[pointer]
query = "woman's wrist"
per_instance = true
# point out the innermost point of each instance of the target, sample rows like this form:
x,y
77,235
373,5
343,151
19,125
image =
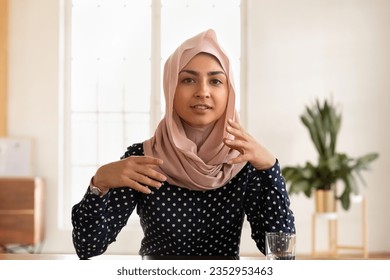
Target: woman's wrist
x,y
97,190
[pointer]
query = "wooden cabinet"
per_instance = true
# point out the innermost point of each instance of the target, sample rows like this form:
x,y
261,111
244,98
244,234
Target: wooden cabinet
x,y
21,211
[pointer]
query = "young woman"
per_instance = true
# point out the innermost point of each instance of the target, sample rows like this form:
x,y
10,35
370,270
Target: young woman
x,y
196,179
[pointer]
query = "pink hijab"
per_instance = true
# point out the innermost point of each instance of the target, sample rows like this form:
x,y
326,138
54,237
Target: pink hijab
x,y
195,166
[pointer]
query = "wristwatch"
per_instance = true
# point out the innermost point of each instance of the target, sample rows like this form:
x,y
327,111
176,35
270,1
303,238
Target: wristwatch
x,y
95,190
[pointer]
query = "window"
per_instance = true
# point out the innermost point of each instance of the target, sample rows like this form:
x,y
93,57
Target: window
x,y
115,53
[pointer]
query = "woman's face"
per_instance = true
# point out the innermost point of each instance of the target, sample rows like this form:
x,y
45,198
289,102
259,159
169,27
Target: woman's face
x,y
202,91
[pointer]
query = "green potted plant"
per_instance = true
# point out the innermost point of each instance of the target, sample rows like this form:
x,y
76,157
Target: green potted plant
x,y
323,121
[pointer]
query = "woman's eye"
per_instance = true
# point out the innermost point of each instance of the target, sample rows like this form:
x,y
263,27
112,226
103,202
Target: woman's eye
x,y
216,82
187,80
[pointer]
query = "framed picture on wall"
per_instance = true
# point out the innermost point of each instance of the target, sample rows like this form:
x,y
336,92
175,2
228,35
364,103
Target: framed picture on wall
x,y
15,157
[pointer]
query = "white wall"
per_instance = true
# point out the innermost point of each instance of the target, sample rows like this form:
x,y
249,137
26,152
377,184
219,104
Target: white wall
x,y
34,96
303,49
297,50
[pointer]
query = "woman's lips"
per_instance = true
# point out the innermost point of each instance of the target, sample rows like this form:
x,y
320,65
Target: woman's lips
x,y
201,107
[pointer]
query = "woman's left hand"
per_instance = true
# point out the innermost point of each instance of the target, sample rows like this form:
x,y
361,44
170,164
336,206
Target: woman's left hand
x,y
250,150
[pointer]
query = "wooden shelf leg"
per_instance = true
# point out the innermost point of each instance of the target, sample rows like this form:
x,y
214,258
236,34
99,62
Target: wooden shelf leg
x,y
333,237
313,236
364,228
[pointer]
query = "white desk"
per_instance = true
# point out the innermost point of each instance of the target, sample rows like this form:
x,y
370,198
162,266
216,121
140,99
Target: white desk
x,y
75,257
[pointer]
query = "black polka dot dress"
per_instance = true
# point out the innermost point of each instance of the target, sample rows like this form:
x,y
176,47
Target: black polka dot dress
x,y
181,222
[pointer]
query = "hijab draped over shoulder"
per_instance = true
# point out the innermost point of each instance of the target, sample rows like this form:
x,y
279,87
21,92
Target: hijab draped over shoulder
x,y
194,158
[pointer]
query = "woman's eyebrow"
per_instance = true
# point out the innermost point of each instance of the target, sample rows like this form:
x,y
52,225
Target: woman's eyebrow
x,y
195,73
212,73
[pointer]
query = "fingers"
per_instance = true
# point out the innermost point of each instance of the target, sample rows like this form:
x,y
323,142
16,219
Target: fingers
x,y
250,150
145,160
139,182
240,142
235,129
233,123
144,169
239,159
140,173
137,172
146,180
238,145
138,187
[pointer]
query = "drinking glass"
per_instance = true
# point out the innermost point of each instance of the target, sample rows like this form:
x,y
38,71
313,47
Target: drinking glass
x,y
280,246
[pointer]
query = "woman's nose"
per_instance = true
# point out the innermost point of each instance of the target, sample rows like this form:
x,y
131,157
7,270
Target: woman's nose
x,y
203,91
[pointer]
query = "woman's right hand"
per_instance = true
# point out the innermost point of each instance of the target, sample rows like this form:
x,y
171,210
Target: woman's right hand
x,y
136,172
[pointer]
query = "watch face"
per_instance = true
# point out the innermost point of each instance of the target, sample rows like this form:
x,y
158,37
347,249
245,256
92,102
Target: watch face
x,y
95,190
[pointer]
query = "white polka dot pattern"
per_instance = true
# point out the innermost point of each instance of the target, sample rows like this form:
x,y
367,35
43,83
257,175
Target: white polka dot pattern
x,y
178,221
